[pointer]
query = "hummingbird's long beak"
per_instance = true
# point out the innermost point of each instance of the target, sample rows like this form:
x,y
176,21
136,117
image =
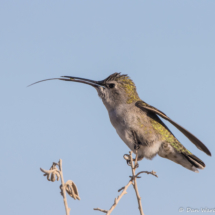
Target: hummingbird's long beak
x,y
75,79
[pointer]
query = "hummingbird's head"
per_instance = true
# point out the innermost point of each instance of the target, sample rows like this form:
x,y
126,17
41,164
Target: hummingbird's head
x,y
116,89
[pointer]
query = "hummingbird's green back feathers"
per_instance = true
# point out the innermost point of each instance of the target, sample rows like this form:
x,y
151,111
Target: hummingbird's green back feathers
x,y
178,152
166,135
191,137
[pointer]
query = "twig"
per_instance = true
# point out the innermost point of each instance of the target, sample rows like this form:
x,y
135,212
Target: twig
x,y
152,173
63,188
134,164
121,189
135,182
119,197
116,199
98,209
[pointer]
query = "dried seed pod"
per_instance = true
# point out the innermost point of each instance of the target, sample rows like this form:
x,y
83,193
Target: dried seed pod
x,y
72,189
51,174
54,175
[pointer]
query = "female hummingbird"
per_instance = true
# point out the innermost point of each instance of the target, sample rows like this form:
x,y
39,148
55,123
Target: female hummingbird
x,y
138,124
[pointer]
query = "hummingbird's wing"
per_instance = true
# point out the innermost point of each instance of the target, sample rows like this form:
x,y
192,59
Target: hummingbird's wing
x,y
144,106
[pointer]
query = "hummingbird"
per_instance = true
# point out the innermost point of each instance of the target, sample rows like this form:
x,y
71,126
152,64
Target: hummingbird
x,y
139,124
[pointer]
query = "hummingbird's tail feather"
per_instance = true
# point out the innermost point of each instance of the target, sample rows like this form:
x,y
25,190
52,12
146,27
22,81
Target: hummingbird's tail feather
x,y
188,161
195,161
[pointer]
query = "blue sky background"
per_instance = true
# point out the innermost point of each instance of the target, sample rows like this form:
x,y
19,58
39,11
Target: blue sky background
x,y
166,47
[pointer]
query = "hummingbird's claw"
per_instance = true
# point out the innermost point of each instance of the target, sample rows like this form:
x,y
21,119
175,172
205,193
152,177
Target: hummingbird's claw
x,y
136,166
128,162
136,147
127,158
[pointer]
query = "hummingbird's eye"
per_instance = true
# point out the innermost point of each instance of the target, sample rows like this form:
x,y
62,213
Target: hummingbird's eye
x,y
111,85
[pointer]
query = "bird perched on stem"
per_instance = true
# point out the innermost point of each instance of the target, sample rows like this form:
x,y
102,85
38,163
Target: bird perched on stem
x,y
138,124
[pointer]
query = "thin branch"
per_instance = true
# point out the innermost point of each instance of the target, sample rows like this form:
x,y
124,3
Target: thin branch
x,y
134,164
119,197
121,189
152,173
98,209
63,187
116,199
135,182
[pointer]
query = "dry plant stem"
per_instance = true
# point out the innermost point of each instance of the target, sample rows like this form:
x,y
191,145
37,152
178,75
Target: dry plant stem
x,y
63,188
116,199
152,173
134,165
119,197
99,209
135,182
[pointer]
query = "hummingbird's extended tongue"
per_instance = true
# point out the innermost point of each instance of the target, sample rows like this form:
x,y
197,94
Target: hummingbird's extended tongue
x,y
74,79
49,80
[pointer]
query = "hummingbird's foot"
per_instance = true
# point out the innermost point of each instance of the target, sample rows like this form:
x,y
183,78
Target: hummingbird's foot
x,y
128,162
136,166
128,159
136,146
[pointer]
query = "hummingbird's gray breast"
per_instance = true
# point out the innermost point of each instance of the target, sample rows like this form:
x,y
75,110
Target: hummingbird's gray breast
x,y
134,127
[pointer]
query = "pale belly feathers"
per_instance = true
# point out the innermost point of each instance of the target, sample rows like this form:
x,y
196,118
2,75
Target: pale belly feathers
x,y
126,120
